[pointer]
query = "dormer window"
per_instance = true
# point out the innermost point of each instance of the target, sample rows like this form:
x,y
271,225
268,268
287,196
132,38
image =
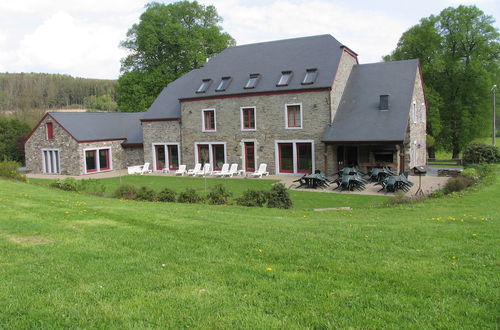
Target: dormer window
x,y
310,76
205,83
285,78
384,102
224,82
252,81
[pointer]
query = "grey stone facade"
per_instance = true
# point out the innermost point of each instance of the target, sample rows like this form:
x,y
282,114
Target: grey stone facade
x,y
415,143
347,61
270,125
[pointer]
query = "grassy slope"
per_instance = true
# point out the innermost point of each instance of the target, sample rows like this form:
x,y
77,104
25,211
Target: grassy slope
x,y
302,199
69,260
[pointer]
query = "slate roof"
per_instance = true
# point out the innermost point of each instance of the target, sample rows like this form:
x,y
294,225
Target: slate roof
x,y
359,119
268,59
91,126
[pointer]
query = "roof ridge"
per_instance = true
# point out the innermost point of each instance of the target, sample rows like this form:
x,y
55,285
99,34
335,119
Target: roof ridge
x,y
284,40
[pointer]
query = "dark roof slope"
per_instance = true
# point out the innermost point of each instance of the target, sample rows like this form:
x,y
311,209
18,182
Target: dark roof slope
x,y
359,119
268,59
90,126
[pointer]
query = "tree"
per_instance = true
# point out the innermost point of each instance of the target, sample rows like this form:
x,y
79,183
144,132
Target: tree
x,y
12,134
459,53
169,41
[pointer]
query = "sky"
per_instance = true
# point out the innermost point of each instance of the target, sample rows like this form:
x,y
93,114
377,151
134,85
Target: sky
x,y
81,37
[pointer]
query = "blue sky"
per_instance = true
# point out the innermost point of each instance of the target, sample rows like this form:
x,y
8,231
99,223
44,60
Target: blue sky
x,y
81,38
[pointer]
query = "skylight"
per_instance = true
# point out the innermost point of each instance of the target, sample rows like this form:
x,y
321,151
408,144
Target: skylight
x,y
310,76
224,82
204,86
285,78
252,81
384,102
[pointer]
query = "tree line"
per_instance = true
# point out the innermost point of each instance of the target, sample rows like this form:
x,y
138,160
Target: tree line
x,y
22,91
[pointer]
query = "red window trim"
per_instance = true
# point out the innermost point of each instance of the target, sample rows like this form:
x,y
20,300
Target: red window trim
x,y
279,155
95,160
248,146
296,124
50,130
107,161
169,159
246,114
210,119
214,160
297,145
157,146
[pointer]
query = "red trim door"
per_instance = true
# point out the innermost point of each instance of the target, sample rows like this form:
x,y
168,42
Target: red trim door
x,y
91,161
173,157
304,157
160,157
249,157
104,160
285,151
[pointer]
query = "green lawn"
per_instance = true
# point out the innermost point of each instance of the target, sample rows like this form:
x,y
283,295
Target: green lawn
x,y
301,199
73,260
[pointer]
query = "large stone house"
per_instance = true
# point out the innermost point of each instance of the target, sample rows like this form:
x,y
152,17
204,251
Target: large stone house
x,y
297,105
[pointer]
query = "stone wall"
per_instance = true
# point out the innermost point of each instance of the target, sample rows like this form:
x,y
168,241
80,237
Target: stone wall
x,y
134,156
347,61
62,141
160,132
270,125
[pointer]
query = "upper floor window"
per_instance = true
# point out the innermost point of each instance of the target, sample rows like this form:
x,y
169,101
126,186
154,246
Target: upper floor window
x,y
50,131
208,120
224,82
293,116
252,81
310,76
285,78
205,83
248,119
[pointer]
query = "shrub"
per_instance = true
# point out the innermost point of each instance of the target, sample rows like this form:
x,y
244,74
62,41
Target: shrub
x,y
486,173
470,173
479,153
125,191
189,196
68,184
457,184
167,195
252,198
146,194
278,197
218,195
9,169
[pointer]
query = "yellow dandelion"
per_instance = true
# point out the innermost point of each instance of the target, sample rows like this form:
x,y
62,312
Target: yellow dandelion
x,y
366,236
260,250
474,235
269,269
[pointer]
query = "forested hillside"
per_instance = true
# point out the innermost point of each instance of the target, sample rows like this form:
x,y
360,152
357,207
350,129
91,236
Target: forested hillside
x,y
29,91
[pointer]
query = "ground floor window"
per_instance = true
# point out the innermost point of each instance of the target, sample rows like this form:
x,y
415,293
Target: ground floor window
x,y
295,156
97,160
51,161
249,157
213,153
166,155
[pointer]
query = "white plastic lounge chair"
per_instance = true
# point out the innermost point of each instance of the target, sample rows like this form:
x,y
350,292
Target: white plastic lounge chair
x,y
181,170
204,171
139,169
261,171
233,170
223,171
195,170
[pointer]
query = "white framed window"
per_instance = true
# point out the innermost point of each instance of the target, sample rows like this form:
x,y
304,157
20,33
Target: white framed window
x,y
294,157
97,159
166,155
208,118
293,116
51,161
248,119
213,153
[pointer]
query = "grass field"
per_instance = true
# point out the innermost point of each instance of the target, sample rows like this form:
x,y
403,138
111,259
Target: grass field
x,y
73,260
301,199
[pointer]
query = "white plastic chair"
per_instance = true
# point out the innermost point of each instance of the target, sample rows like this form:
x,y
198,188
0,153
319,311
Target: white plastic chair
x,y
224,170
204,171
233,170
195,170
139,169
181,170
262,170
